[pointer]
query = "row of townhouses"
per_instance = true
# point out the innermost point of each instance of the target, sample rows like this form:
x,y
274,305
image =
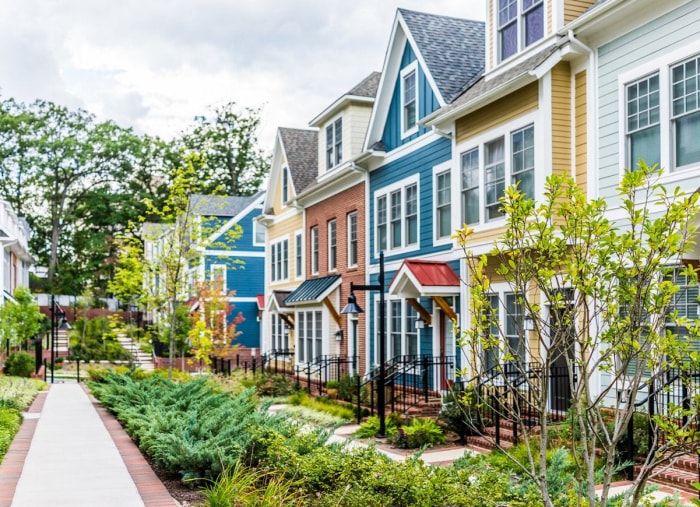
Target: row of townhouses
x,y
16,259
380,179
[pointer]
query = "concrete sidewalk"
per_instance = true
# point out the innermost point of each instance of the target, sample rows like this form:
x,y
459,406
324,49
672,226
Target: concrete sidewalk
x,y
75,460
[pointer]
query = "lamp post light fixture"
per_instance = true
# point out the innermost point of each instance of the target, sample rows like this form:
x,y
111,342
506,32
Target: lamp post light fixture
x,y
528,322
353,308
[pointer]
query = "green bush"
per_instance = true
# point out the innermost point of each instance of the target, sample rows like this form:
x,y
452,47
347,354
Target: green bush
x,y
370,428
347,388
20,364
419,434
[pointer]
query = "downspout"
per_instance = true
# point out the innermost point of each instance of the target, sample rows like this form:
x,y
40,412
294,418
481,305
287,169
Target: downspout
x,y
592,107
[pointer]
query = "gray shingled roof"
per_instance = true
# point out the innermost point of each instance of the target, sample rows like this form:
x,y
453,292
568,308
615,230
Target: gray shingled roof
x,y
453,49
367,87
301,148
221,206
483,86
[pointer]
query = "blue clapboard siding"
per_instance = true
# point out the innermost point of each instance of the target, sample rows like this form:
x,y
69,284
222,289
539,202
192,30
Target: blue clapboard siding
x,y
427,103
652,41
420,161
245,274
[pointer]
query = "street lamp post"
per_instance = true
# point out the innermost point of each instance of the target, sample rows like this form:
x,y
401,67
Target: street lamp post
x,y
353,308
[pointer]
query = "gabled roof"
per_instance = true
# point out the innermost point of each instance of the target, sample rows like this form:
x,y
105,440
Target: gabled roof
x,y
422,278
221,206
276,302
364,91
301,150
453,49
313,290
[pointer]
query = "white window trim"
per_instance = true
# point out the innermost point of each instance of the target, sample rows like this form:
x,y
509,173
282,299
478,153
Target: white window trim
x,y
278,243
257,226
411,67
299,275
331,124
500,290
334,221
214,270
504,130
438,170
313,231
386,191
662,65
325,342
357,239
520,31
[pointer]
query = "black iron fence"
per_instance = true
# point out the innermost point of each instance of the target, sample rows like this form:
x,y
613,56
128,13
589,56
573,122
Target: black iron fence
x,y
510,396
316,374
675,395
275,362
408,382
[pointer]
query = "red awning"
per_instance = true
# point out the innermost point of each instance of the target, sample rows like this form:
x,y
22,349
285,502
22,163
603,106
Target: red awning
x,y
421,278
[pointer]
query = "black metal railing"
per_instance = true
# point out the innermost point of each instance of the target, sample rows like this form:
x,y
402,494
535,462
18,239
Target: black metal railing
x,y
408,381
509,396
323,368
672,394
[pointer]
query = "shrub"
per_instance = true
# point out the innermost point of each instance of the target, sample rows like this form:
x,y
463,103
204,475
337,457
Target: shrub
x,y
332,384
460,414
419,434
20,364
370,428
347,388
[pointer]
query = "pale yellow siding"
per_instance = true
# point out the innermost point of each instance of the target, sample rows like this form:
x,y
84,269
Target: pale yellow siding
x,y
281,230
574,8
549,17
561,119
504,110
492,16
277,205
358,121
581,122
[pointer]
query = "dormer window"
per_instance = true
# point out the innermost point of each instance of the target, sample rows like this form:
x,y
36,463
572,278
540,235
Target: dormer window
x,y
409,99
334,143
520,23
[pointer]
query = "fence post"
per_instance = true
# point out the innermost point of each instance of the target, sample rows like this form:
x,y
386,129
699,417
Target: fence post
x,y
425,379
359,399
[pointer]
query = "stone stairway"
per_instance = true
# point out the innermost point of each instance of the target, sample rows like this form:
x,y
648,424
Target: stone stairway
x,y
141,358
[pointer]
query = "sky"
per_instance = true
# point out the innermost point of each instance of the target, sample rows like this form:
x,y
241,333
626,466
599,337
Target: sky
x,y
154,65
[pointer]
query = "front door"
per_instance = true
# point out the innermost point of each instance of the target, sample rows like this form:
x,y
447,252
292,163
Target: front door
x,y
562,329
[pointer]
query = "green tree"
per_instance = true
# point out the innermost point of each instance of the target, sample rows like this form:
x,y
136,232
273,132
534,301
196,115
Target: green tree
x,y
601,294
230,159
20,319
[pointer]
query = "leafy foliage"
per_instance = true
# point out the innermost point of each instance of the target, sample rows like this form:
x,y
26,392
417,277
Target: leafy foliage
x,y
20,364
420,433
15,395
96,340
20,319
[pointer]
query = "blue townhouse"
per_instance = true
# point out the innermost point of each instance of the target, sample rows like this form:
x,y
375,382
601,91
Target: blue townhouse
x,y
234,255
430,61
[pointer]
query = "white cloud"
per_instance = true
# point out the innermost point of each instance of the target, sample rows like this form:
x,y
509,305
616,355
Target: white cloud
x,y
155,64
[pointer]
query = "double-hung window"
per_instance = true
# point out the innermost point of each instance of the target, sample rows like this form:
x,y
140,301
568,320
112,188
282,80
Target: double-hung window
x,y
495,177
314,249
523,157
280,334
334,143
506,341
685,111
443,208
403,337
396,216
661,112
352,239
470,186
332,247
310,335
409,99
643,121
520,23
279,260
299,254
491,167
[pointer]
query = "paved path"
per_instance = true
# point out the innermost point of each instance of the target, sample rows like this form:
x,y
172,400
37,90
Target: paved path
x,y
79,456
